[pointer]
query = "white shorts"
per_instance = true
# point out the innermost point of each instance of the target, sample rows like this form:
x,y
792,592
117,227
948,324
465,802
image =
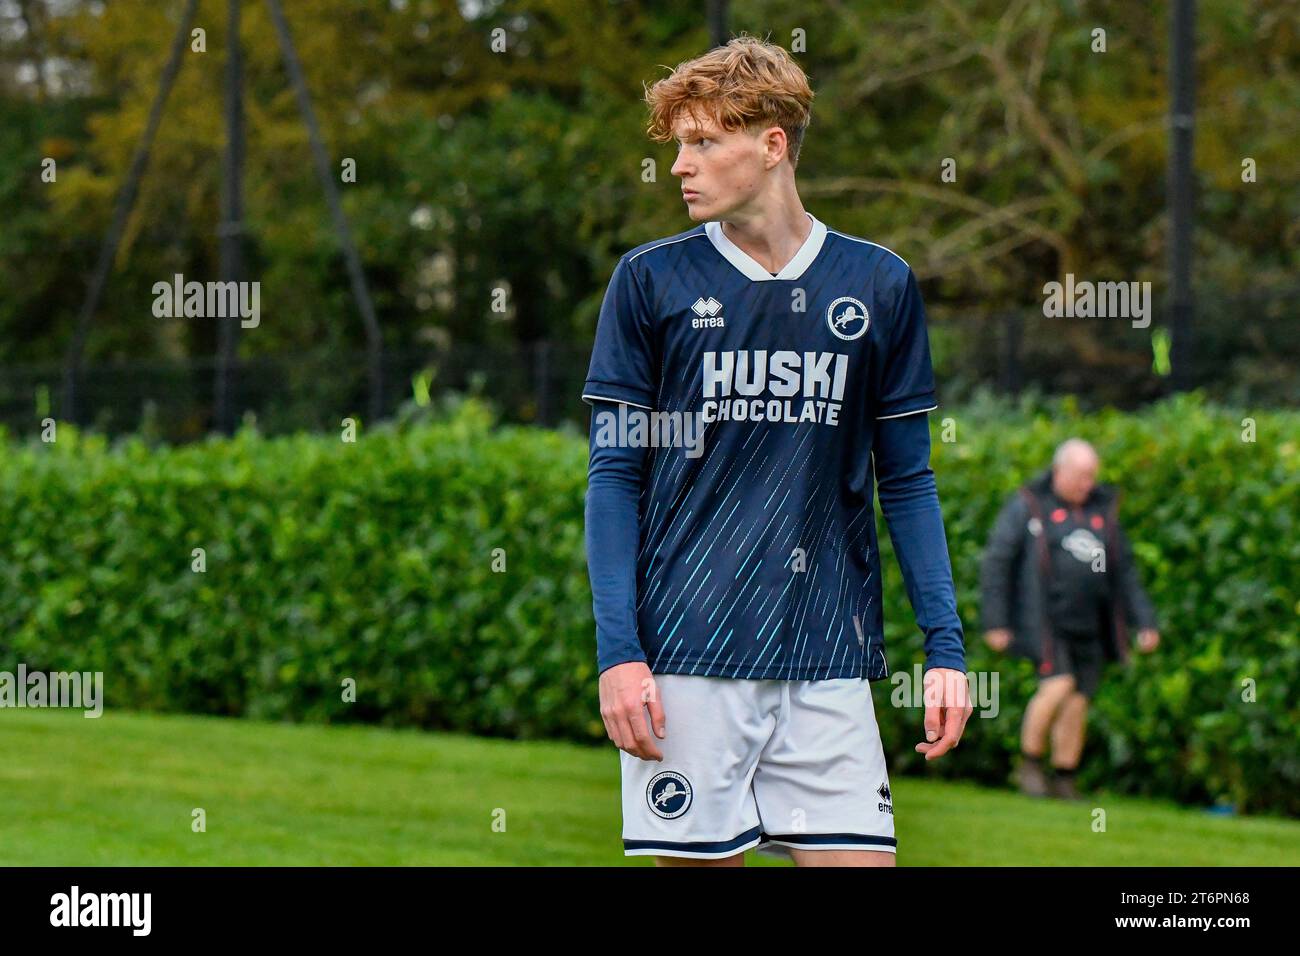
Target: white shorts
x,y
759,763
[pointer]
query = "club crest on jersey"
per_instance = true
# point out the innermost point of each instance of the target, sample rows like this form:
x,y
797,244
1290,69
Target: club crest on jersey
x,y
707,311
847,318
669,794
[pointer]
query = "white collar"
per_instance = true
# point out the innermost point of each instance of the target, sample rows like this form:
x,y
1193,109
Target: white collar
x,y
749,266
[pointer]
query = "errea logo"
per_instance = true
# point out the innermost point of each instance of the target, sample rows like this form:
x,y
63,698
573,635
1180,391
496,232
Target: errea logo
x,y
707,310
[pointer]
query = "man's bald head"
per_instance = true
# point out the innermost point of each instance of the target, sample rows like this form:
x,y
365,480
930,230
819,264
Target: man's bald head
x,y
1074,470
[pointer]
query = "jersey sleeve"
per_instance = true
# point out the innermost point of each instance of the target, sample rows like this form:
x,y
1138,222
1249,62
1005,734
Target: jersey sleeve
x,y
623,362
907,382
612,534
909,500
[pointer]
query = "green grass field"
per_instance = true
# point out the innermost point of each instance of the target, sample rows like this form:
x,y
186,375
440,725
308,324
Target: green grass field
x,y
120,790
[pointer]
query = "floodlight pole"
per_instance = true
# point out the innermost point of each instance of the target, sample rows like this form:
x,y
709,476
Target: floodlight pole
x,y
1182,90
718,22
230,229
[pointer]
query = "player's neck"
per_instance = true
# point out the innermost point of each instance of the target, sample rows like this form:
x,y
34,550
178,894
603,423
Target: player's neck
x,y
771,236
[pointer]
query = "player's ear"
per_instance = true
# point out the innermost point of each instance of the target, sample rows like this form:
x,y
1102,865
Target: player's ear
x,y
776,144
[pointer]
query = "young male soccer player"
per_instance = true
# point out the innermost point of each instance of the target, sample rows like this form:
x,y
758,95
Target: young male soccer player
x,y
736,584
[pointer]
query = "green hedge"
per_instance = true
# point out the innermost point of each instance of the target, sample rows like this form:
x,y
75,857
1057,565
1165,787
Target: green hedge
x,y
374,561
1215,525
324,560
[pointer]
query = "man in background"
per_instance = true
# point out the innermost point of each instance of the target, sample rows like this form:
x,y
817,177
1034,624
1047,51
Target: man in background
x,y
1060,587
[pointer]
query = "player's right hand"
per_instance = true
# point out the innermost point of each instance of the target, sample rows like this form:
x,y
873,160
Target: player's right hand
x,y
998,638
626,690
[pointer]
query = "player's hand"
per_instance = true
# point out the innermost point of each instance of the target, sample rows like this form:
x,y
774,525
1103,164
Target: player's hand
x,y
947,706
1148,639
998,638
626,690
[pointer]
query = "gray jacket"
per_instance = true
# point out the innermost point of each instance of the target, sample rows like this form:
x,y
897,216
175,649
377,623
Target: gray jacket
x,y
1016,570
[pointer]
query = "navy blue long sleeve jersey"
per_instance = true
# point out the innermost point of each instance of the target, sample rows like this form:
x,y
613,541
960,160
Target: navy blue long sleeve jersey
x,y
741,423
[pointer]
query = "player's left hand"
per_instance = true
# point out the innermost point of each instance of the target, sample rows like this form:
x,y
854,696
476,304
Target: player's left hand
x,y
1148,639
947,706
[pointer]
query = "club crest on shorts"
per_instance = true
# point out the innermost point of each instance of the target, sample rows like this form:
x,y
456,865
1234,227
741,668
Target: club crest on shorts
x,y
847,318
669,794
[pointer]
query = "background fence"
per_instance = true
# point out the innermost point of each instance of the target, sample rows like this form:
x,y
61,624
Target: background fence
x,y
1247,352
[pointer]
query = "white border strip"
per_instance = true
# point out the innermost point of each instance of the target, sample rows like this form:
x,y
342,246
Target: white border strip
x,y
845,235
916,411
884,848
694,234
622,401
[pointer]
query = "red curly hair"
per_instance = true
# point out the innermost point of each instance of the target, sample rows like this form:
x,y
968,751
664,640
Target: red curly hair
x,y
748,84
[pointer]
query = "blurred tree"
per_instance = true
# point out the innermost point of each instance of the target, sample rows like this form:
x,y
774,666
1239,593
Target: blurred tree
x,y
500,152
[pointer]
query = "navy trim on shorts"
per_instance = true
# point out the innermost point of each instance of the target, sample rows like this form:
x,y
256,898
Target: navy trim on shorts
x,y
720,846
813,839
